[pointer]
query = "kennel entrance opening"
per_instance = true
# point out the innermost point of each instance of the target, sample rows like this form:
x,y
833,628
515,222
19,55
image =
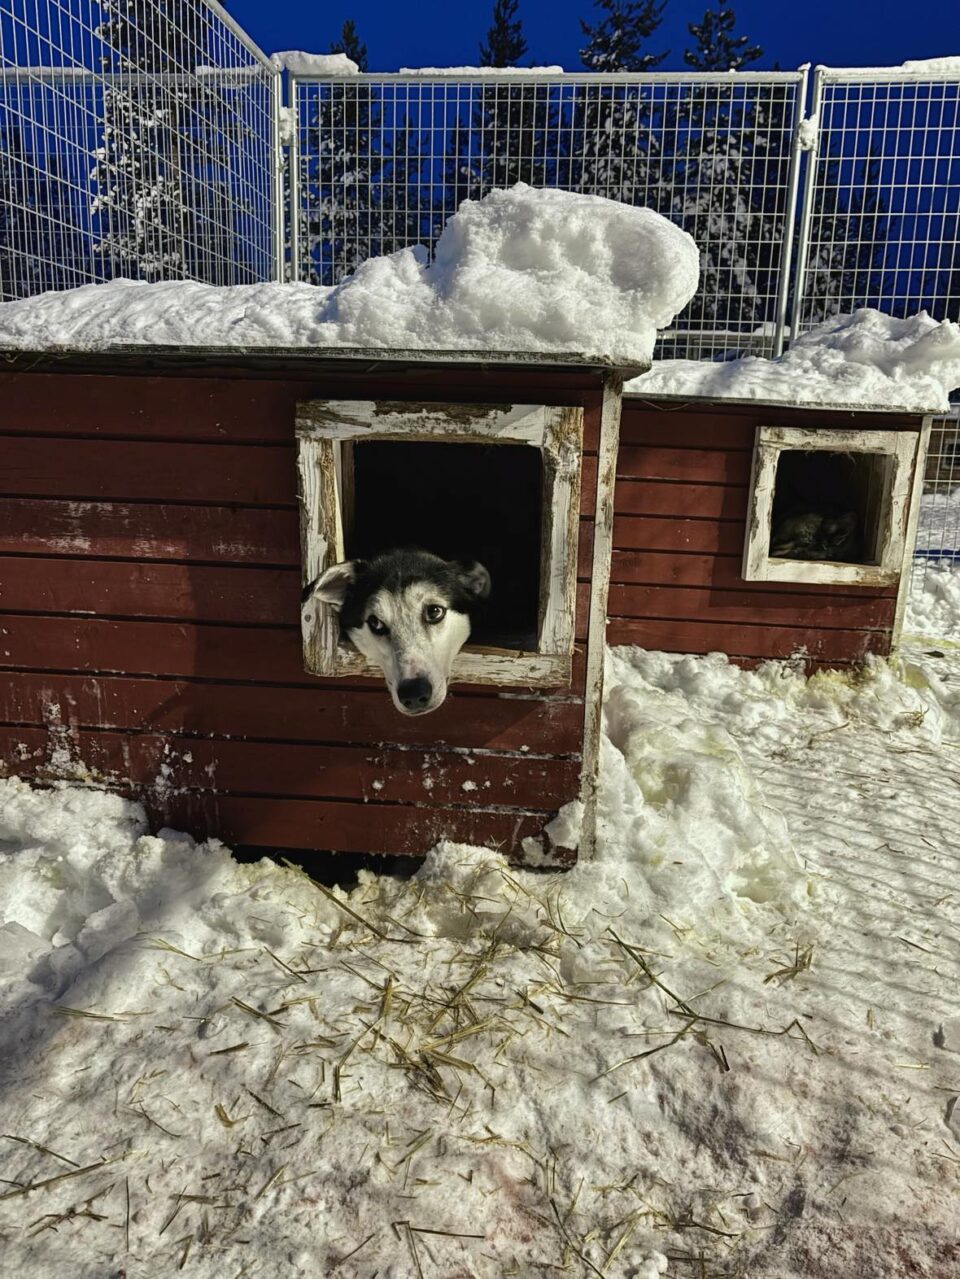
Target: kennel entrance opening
x,y
461,501
829,506
499,484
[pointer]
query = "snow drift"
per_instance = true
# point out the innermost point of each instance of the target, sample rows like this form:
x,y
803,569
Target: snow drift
x,y
521,270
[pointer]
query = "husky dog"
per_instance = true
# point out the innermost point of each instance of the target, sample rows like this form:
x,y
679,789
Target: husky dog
x,y
408,612
817,535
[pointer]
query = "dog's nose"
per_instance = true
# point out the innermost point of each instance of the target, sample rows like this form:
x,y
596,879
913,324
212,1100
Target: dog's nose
x,y
414,694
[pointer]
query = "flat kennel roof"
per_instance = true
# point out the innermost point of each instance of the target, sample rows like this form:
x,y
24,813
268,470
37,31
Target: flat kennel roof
x,y
795,409
297,359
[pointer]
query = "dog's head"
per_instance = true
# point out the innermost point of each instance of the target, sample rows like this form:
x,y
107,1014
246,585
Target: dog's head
x,y
408,612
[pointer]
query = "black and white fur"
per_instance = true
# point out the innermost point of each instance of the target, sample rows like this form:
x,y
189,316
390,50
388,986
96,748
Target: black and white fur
x,y
408,612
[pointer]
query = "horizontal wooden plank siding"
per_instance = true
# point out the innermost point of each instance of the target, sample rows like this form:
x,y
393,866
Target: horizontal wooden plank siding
x,y
691,466
105,530
826,647
253,409
681,507
663,533
307,771
720,571
409,830
149,620
166,473
128,470
126,588
676,499
106,646
778,608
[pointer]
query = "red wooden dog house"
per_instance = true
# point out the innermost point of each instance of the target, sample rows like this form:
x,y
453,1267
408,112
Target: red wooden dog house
x,y
687,488
151,636
152,573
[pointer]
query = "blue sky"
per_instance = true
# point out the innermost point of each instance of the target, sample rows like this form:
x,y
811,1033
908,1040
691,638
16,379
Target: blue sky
x,y
438,33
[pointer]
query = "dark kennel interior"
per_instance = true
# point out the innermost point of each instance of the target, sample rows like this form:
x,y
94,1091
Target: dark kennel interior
x,y
461,501
827,505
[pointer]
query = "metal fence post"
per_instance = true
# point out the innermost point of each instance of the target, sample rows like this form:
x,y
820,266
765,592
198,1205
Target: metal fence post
x,y
806,206
293,176
790,216
278,213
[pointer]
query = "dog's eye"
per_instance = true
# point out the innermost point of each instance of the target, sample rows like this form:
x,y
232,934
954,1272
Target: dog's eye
x,y
434,613
378,627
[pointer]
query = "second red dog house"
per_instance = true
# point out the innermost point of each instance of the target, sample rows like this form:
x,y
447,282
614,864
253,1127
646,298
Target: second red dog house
x,y
699,488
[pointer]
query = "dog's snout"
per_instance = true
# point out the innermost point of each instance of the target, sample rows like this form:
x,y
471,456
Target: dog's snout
x,y
415,694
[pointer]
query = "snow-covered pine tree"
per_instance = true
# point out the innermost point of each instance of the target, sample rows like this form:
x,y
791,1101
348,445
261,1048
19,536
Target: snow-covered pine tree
x,y
616,42
406,184
511,120
505,41
351,44
341,224
849,228
19,261
614,149
725,183
145,201
717,49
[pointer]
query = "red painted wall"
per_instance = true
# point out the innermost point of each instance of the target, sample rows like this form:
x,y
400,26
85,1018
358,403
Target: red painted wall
x,y
149,621
682,500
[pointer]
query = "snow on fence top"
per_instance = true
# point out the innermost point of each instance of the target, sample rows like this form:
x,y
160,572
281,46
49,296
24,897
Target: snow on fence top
x,y
465,72
522,270
867,360
320,64
934,66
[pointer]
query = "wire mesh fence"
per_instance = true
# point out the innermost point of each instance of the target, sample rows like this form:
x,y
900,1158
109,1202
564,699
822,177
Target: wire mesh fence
x,y
880,227
137,138
142,138
382,161
934,597
880,221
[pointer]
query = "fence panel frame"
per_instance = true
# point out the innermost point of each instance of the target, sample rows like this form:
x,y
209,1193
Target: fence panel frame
x,y
187,191
784,90
834,90
828,83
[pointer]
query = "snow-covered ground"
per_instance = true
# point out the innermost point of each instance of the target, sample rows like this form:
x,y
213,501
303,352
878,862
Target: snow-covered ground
x,y
729,1046
933,603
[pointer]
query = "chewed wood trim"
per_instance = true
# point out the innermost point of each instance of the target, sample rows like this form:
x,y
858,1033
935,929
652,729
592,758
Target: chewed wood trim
x,y
319,541
476,665
327,428
596,643
387,419
913,520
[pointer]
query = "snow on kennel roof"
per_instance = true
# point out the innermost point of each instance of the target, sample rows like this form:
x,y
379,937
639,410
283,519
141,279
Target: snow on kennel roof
x,y
866,360
521,271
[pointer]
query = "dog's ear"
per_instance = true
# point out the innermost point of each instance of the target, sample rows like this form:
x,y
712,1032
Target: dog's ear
x,y
331,586
473,578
